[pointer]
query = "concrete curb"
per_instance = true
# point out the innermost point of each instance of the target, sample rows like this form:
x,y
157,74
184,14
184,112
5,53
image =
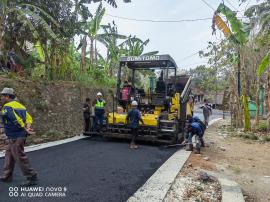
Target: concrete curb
x,y
157,186
231,191
214,121
48,144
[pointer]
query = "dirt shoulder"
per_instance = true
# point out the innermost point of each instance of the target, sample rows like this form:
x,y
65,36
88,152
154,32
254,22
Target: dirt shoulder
x,y
245,161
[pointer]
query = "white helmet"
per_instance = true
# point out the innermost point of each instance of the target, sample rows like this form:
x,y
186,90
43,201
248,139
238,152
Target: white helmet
x,y
99,94
134,103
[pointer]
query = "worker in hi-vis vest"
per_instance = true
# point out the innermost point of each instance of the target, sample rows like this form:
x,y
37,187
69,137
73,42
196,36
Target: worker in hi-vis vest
x,y
99,105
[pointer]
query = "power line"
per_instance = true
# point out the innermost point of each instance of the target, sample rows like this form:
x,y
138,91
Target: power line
x,y
194,64
237,10
159,21
247,5
232,5
189,56
205,2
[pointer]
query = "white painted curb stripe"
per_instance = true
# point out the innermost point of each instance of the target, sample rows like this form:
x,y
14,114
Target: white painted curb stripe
x,y
214,120
48,144
157,186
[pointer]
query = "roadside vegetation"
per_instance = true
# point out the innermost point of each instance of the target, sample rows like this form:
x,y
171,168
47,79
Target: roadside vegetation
x,y
238,65
60,40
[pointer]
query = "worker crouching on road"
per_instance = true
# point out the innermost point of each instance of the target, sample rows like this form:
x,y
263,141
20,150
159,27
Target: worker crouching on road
x,y
17,125
133,118
194,127
99,105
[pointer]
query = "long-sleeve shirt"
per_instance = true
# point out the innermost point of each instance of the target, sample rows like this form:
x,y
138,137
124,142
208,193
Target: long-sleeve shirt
x,y
15,116
196,129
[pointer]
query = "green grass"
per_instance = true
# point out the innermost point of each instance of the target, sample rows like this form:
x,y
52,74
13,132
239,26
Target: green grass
x,y
262,126
236,169
266,138
199,188
249,136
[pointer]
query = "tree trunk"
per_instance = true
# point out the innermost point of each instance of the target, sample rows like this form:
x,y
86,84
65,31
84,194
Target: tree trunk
x,y
257,120
247,124
268,99
2,45
83,55
110,72
236,110
91,51
95,50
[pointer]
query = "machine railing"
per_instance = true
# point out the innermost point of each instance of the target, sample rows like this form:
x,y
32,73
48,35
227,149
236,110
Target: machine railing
x,y
185,94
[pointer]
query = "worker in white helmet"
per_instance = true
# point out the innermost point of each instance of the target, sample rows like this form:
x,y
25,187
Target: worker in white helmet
x,y
99,105
133,118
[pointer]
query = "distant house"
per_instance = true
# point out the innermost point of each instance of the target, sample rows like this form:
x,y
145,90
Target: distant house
x,y
198,94
216,99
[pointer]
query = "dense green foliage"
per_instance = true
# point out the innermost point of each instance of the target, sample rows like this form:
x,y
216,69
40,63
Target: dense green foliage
x,y
44,34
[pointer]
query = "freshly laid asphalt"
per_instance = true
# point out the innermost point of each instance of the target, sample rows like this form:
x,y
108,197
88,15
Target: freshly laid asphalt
x,y
91,170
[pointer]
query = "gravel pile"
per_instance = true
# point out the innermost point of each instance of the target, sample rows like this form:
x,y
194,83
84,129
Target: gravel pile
x,y
193,184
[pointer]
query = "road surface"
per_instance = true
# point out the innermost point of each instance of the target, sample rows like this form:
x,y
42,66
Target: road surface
x,y
90,170
215,114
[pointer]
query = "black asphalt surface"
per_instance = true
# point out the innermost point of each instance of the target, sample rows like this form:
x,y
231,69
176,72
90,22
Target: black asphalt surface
x,y
90,170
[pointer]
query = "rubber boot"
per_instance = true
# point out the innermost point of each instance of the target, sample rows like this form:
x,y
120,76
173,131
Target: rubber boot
x,y
189,147
6,179
198,148
30,181
202,142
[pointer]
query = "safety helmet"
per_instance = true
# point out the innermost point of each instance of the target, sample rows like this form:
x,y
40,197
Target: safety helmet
x,y
134,103
196,119
7,91
99,94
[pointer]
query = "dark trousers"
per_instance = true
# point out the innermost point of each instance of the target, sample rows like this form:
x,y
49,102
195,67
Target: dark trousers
x,y
134,133
15,153
206,119
99,119
86,124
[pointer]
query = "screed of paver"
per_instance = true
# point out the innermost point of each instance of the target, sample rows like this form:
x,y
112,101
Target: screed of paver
x,y
160,182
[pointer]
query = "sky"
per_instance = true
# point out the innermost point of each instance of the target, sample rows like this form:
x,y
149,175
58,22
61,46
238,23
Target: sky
x,y
180,40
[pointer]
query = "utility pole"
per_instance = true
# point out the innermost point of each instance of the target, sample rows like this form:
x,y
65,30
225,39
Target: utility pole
x,y
215,68
215,49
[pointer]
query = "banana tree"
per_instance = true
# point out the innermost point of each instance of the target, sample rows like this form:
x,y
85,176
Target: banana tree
x,y
29,15
109,38
239,37
92,31
135,46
